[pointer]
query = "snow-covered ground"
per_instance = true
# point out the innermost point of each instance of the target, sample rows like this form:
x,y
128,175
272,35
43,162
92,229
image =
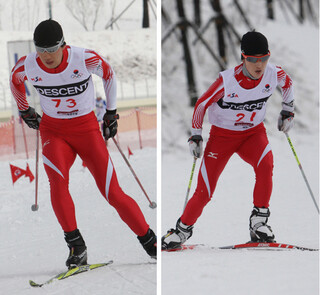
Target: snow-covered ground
x,y
33,246
32,243
225,220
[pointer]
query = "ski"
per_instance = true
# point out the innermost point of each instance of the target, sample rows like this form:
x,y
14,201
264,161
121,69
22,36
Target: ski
x,y
249,245
71,272
266,246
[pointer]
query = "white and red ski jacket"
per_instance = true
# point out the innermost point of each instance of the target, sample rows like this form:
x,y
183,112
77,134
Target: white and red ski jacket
x,y
68,89
236,102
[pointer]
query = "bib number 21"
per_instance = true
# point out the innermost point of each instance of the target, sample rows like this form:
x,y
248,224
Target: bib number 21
x,y
241,116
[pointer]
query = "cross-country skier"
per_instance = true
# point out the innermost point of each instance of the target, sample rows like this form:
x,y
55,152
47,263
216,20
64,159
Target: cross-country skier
x,y
101,107
61,74
236,104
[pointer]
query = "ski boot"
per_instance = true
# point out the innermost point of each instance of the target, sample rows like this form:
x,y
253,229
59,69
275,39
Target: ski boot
x,y
77,247
259,230
149,243
176,237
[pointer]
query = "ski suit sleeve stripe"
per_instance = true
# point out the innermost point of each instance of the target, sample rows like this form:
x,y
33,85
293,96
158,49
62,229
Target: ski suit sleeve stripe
x,y
99,66
213,94
17,78
285,84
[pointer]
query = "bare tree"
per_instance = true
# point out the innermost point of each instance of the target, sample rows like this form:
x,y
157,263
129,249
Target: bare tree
x,y
113,19
113,6
305,10
242,13
20,17
192,89
85,12
219,22
145,18
312,12
301,10
197,13
270,13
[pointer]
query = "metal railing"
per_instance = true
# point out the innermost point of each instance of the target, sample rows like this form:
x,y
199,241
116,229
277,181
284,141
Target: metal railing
x,y
134,89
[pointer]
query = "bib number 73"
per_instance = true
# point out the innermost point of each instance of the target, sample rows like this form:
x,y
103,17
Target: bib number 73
x,y
71,103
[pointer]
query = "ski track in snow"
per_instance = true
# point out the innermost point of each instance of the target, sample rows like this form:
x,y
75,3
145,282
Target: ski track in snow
x,y
225,221
34,246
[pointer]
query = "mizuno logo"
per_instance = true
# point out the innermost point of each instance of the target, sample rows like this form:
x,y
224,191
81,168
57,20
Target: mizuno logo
x,y
213,155
47,142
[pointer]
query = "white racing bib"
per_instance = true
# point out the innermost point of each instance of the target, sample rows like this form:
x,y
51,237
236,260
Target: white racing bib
x,y
242,108
67,94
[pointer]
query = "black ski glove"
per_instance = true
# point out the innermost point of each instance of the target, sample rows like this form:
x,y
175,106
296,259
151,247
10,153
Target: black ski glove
x,y
31,118
285,121
110,124
195,145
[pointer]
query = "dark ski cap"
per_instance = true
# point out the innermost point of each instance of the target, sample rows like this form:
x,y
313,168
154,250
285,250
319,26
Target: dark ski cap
x,y
253,43
47,34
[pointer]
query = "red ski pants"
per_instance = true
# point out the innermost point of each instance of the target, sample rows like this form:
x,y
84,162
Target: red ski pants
x,y
62,140
252,146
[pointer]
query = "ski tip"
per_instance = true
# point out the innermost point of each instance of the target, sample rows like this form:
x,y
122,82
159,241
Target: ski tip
x,y
109,262
33,284
105,263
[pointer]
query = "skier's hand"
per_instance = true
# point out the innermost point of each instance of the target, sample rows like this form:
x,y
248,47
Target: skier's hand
x,y
110,124
285,121
31,118
195,145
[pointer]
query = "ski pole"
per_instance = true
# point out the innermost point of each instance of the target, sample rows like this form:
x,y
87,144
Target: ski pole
x,y
35,206
300,167
152,204
190,181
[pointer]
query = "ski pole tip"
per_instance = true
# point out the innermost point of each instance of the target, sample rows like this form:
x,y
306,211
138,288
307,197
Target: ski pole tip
x,y
153,205
34,207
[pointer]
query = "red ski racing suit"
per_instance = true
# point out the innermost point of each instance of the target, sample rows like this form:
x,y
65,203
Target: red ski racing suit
x,y
236,108
69,127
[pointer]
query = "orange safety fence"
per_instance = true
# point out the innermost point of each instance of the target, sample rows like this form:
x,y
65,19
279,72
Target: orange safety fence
x,y
7,137
136,129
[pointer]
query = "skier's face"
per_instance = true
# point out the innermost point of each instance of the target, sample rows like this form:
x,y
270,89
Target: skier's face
x,y
52,60
256,69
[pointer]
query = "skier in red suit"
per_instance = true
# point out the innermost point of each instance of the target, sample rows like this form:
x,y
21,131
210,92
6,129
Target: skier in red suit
x,y
236,105
61,74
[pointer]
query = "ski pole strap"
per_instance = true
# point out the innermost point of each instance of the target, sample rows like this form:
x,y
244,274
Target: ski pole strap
x,y
110,117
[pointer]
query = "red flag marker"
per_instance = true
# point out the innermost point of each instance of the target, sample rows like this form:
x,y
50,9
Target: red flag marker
x,y
16,173
129,152
29,173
